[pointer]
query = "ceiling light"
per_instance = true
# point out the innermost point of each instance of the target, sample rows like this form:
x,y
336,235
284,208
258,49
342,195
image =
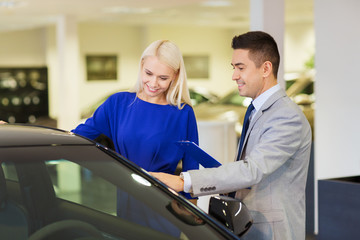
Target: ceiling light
x,y
127,10
216,3
8,4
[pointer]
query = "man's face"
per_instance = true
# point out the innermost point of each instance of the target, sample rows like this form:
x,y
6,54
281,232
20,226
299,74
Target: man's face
x,y
250,80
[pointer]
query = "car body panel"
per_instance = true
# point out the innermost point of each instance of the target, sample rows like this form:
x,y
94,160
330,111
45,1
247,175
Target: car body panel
x,y
28,136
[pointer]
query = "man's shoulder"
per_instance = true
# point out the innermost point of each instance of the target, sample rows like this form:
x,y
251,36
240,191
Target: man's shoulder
x,y
286,108
284,105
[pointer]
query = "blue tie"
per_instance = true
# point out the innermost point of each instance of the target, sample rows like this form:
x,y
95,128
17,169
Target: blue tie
x,y
245,127
243,133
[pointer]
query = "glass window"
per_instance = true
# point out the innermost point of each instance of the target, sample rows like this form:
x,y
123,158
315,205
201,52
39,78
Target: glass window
x,y
9,171
78,184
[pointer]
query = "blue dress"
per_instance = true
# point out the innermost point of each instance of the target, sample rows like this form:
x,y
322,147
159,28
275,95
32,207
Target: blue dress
x,y
143,132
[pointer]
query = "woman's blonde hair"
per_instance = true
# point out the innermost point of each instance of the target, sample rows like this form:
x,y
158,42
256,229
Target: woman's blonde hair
x,y
169,54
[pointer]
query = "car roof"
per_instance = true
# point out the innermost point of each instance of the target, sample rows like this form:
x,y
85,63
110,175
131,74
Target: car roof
x,y
12,135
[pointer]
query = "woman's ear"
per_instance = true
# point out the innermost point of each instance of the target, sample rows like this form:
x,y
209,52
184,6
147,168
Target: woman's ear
x,y
267,68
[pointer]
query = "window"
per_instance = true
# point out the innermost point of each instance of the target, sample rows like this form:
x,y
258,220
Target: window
x,y
9,171
77,184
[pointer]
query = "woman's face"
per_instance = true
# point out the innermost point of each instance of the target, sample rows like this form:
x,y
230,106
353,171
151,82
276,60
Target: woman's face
x,y
156,78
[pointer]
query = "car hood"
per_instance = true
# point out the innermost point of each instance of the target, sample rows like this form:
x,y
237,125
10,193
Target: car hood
x,y
27,135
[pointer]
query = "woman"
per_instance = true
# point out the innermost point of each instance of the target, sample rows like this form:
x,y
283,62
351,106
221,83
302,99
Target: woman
x,y
144,124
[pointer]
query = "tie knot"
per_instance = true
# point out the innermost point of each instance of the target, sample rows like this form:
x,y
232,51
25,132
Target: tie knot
x,y
250,107
249,110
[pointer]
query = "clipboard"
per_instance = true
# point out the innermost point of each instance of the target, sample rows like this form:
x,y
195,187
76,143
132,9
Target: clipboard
x,y
198,154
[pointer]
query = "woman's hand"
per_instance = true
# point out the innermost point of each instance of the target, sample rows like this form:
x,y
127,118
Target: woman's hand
x,y
2,122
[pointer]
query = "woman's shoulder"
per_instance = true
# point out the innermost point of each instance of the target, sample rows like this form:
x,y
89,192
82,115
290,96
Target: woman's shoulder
x,y
187,107
122,96
185,110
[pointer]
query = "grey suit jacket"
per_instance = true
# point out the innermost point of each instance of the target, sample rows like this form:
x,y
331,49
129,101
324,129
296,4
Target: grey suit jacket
x,y
274,163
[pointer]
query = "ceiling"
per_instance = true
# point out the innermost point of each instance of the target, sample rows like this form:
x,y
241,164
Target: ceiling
x,y
24,14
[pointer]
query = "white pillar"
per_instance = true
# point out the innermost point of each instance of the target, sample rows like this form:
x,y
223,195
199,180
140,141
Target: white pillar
x,y
68,75
269,16
337,114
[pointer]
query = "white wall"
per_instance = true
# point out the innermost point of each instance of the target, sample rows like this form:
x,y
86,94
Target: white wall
x,y
37,47
337,115
337,85
22,48
124,41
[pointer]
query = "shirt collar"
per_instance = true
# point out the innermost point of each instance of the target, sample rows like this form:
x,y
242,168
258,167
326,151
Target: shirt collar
x,y
261,99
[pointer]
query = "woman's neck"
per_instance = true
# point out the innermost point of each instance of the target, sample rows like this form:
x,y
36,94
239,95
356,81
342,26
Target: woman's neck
x,y
161,100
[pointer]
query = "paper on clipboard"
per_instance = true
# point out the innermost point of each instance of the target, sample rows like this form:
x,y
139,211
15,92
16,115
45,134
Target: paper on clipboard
x,y
198,154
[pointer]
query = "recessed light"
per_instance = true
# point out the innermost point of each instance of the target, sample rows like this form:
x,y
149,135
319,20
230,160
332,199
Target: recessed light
x,y
8,4
216,3
127,10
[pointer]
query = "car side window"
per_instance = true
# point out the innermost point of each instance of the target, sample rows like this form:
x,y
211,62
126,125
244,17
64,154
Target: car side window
x,y
78,184
9,171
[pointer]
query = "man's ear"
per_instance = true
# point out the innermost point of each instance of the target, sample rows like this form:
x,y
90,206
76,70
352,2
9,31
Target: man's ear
x,y
267,68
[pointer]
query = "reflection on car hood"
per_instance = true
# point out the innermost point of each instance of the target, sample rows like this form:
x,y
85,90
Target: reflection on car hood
x,y
27,135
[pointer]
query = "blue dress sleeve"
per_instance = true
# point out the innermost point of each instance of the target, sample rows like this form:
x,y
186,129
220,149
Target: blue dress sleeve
x,y
98,124
192,135
188,163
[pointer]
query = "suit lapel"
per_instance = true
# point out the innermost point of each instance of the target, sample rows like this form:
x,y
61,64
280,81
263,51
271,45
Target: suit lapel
x,y
272,99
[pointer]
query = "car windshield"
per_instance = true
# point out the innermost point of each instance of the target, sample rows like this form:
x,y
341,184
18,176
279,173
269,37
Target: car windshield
x,y
83,183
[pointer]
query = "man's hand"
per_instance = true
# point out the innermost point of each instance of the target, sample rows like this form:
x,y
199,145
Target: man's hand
x,y
2,122
172,181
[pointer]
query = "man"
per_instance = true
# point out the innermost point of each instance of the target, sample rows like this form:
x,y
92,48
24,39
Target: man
x,y
271,169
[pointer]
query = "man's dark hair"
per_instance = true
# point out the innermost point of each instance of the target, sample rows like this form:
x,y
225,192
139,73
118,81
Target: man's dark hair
x,y
262,47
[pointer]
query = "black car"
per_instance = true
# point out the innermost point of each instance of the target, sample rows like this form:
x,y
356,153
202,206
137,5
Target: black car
x,y
57,185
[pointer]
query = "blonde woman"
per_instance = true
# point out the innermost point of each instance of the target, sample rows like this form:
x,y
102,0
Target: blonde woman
x,y
145,123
